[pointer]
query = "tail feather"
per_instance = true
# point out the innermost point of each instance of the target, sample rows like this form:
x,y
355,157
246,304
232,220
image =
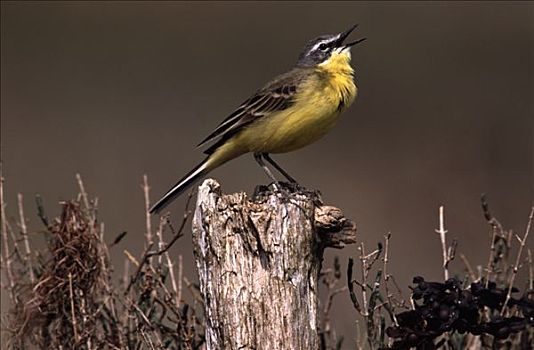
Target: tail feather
x,y
181,186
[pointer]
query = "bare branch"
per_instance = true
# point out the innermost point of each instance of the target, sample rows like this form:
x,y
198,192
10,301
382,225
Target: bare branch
x,y
443,237
365,271
24,234
530,271
517,261
148,219
386,279
496,231
5,241
176,233
180,278
85,198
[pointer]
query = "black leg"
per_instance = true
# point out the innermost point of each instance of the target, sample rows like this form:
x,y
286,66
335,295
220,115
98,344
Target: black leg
x,y
259,159
279,168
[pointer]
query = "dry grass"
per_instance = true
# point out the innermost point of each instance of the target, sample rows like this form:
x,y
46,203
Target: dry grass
x,y
65,297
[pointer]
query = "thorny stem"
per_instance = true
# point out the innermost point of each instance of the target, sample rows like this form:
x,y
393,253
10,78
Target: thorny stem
x,y
517,261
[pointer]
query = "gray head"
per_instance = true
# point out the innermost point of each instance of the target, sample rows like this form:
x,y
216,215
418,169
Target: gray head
x,y
321,48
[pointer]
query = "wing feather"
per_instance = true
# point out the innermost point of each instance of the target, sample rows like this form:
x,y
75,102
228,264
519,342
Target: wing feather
x,y
276,96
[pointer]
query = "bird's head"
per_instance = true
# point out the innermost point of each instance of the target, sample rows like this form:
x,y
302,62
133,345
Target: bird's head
x,y
327,47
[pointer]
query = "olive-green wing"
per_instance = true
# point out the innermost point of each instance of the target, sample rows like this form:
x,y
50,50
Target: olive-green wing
x,y
276,96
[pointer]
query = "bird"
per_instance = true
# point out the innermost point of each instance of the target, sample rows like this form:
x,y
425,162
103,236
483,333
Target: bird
x,y
291,111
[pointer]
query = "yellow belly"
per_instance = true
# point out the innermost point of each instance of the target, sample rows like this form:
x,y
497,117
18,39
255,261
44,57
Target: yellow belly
x,y
291,129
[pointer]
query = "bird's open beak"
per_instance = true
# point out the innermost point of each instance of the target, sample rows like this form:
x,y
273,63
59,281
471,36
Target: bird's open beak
x,y
344,35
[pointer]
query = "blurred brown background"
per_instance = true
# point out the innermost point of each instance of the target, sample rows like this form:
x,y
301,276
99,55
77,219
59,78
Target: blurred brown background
x,y
116,90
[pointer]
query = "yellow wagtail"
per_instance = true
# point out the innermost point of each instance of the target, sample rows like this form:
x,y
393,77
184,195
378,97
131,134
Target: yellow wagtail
x,y
293,110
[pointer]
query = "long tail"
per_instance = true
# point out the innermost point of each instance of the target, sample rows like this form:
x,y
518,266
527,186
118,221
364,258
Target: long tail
x,y
182,185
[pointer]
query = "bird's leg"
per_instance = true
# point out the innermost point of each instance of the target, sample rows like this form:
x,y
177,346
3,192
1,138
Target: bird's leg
x,y
259,159
279,168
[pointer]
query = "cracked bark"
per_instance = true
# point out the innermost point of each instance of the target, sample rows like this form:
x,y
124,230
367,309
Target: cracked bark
x,y
258,263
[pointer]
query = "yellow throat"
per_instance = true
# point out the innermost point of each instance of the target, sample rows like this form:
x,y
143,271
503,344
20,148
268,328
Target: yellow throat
x,y
339,74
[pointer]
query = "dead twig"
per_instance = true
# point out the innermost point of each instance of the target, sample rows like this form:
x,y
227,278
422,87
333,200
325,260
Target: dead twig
x,y
148,220
73,314
468,267
176,233
517,261
24,234
83,193
365,271
5,241
448,253
350,285
180,278
496,230
387,277
530,271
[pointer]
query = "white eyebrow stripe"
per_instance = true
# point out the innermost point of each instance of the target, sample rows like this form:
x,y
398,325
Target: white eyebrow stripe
x,y
325,42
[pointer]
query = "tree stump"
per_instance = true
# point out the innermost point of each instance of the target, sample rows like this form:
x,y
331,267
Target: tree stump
x,y
258,263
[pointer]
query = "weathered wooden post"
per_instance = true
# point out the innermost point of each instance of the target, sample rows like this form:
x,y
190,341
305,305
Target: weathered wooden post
x,y
258,263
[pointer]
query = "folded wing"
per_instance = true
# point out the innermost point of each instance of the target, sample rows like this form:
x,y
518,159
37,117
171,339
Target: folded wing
x,y
276,96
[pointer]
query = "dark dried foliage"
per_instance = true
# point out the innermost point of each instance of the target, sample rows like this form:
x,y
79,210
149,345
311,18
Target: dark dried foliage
x,y
447,307
478,312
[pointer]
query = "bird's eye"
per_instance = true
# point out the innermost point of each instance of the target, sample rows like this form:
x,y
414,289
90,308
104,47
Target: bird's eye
x,y
323,47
